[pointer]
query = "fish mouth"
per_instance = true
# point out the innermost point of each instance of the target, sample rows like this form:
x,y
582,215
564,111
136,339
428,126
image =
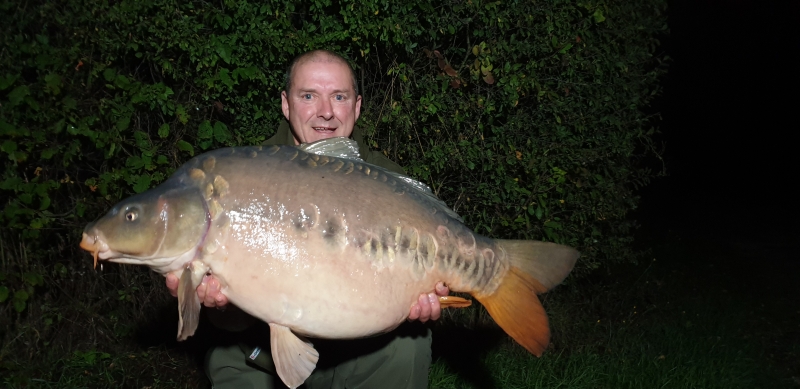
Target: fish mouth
x,y
96,246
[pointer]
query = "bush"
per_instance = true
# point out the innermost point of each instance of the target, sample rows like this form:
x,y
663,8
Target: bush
x,y
528,118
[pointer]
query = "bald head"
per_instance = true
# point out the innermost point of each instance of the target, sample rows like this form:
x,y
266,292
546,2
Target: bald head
x,y
320,56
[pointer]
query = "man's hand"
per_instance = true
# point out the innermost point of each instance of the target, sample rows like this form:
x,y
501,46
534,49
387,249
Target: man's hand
x,y
207,291
427,306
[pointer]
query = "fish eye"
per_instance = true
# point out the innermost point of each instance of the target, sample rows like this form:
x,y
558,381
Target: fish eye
x,y
131,215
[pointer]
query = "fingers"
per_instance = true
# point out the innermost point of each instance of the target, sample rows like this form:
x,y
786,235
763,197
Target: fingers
x,y
427,306
414,313
436,308
172,284
209,293
441,289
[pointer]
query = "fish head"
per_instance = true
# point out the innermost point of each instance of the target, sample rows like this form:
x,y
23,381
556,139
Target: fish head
x,y
154,228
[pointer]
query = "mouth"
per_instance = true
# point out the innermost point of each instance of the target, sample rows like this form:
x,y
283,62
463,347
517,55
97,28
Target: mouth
x,y
98,248
325,130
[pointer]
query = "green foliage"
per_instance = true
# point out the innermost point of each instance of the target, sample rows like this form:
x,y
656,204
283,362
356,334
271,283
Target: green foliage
x,y
527,118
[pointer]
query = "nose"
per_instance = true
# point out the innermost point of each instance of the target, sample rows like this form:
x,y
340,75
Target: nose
x,y
325,109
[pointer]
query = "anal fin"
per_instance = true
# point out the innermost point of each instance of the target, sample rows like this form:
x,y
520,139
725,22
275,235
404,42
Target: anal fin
x,y
188,303
294,358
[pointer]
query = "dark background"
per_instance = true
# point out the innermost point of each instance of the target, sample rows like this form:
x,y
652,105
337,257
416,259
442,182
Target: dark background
x,y
730,122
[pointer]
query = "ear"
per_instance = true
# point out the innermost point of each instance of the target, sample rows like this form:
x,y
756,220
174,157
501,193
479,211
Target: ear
x,y
285,104
358,107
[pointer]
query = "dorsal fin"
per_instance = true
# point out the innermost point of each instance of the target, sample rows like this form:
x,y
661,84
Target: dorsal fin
x,y
339,147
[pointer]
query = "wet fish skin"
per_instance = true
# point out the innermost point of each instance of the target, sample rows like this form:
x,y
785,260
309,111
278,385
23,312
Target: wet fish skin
x,y
322,247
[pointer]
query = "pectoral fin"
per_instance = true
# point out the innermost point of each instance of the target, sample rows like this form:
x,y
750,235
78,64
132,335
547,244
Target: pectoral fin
x,y
188,302
294,358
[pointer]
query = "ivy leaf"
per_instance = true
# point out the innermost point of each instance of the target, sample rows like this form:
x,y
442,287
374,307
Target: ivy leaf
x,y
163,131
205,131
221,133
598,16
180,112
53,82
142,183
18,95
7,81
225,76
185,146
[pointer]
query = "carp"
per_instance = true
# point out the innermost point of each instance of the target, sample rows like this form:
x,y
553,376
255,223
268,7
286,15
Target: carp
x,y
320,244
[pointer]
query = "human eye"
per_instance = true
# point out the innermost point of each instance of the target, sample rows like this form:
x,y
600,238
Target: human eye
x,y
306,96
339,97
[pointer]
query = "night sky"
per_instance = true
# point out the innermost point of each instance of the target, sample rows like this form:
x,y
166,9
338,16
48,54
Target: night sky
x,y
730,121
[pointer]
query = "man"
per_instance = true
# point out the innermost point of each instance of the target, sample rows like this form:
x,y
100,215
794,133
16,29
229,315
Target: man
x,y
321,101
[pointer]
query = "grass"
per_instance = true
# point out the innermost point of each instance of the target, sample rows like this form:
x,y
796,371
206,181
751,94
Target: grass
x,y
699,316
680,321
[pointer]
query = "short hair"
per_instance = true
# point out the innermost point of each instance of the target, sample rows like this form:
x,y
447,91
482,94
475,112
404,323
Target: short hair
x,y
314,55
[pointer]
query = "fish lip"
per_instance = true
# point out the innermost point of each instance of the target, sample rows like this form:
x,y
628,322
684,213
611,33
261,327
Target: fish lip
x,y
97,246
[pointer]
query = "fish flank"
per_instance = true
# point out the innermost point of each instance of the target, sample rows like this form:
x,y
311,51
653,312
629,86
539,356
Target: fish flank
x,y
197,175
209,163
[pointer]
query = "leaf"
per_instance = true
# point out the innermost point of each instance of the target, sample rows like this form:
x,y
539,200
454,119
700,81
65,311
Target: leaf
x,y
19,306
142,183
45,203
204,131
122,82
18,94
123,123
224,52
53,82
7,81
225,77
185,146
180,112
33,279
598,16
163,131
3,293
21,295
109,74
221,133
8,146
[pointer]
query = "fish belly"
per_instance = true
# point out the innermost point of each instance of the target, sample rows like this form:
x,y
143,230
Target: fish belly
x,y
321,293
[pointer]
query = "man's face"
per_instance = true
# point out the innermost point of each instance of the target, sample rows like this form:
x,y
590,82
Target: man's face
x,y
321,103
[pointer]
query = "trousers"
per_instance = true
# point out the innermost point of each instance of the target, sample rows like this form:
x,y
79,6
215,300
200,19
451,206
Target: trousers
x,y
399,359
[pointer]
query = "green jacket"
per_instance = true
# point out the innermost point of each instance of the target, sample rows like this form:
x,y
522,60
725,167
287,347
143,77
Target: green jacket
x,y
284,137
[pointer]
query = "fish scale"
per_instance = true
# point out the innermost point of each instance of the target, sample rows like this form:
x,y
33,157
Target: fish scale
x,y
322,246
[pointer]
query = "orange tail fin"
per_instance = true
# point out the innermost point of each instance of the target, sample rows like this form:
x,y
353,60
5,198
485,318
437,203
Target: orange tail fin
x,y
536,267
